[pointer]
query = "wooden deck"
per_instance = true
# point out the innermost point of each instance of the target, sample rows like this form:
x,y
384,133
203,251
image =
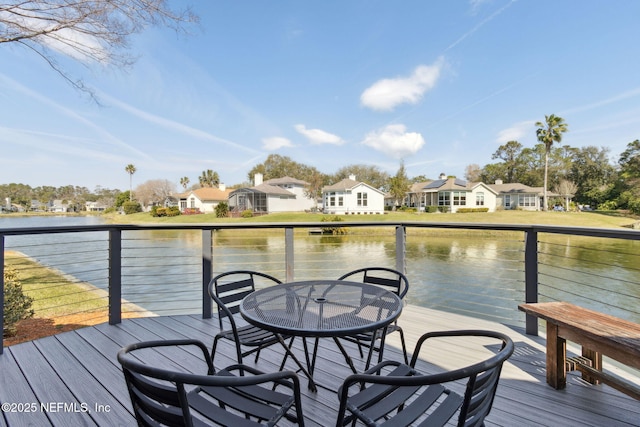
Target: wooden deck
x,y
74,379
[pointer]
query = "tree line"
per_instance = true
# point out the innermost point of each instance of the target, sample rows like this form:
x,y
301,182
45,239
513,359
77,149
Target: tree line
x,y
585,174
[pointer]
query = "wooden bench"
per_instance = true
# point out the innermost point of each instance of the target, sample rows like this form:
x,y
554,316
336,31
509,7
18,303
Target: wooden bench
x,y
598,334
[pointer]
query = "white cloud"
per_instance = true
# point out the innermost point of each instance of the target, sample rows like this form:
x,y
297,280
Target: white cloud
x,y
386,94
275,142
395,141
516,132
318,136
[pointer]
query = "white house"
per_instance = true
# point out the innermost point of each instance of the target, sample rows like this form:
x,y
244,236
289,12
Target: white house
x,y
285,194
203,199
452,194
352,197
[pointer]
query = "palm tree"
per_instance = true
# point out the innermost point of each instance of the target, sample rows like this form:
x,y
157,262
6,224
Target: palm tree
x,y
130,169
184,181
209,178
548,132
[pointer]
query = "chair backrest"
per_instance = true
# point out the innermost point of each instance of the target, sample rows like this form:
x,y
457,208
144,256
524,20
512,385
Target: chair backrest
x,y
387,278
229,288
162,396
158,395
406,395
482,378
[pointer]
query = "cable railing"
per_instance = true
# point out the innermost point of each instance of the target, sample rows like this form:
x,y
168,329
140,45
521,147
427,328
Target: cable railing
x,y
107,272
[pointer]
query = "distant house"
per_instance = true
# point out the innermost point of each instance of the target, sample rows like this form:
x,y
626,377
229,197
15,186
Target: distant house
x,y
58,206
352,197
452,194
519,196
285,194
95,206
204,199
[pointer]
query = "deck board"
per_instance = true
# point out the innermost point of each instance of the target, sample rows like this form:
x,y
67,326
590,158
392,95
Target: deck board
x,y
80,366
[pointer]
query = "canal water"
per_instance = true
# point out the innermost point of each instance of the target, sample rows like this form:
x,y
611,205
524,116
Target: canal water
x,y
468,273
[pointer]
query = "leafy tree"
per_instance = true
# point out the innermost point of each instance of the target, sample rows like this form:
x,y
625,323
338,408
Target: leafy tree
x,y
371,175
277,166
630,176
592,171
548,132
399,185
89,31
122,198
509,153
566,189
130,169
209,178
316,182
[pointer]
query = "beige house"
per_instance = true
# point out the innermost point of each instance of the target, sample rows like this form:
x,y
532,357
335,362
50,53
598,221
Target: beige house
x,y
352,197
519,196
203,200
452,194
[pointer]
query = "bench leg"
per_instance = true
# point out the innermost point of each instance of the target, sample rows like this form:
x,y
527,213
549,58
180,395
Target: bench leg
x,y
596,363
556,356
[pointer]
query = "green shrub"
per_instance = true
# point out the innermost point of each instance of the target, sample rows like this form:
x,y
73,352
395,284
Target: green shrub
x,y
222,210
248,213
609,205
469,210
17,305
333,230
131,207
431,209
160,212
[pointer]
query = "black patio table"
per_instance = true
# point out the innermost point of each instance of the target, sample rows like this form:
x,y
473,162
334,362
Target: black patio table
x,y
321,308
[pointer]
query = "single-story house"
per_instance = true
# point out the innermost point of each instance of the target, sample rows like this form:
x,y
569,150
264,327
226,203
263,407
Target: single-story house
x,y
352,197
451,194
519,196
95,206
285,194
203,199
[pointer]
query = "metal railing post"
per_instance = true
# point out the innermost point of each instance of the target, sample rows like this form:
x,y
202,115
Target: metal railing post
x,y
2,291
115,276
531,277
288,254
207,268
401,249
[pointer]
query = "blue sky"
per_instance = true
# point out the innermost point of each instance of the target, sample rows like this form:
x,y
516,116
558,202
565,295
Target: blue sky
x,y
439,84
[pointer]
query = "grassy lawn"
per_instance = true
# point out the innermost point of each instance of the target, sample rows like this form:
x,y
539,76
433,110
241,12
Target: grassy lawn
x,y
599,219
54,294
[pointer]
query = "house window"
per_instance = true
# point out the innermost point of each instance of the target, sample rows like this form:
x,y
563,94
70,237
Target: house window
x,y
528,200
507,201
340,201
362,199
192,202
444,199
332,200
479,199
459,198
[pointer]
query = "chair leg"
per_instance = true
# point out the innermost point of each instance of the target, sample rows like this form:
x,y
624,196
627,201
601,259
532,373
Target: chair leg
x,y
404,346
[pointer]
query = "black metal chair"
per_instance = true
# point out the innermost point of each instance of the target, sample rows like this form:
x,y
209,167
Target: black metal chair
x,y
404,395
227,290
393,281
234,396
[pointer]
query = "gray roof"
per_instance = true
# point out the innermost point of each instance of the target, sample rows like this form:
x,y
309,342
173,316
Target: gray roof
x,y
286,180
345,184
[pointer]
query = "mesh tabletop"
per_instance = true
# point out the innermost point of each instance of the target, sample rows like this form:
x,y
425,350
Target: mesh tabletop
x,y
321,308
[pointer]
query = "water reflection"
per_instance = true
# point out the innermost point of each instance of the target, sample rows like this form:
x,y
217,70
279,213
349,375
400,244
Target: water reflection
x,y
481,275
